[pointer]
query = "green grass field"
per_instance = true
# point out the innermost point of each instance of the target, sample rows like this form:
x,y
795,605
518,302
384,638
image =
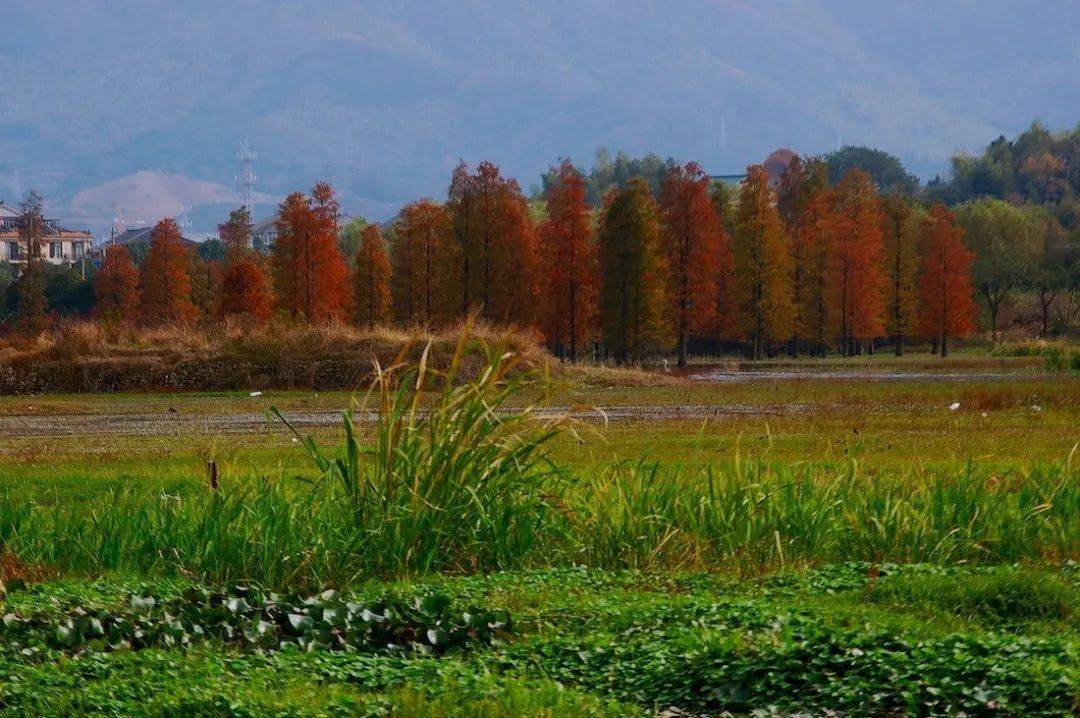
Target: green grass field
x,y
798,546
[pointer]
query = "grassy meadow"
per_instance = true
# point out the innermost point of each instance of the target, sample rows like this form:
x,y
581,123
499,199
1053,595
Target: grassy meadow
x,y
586,541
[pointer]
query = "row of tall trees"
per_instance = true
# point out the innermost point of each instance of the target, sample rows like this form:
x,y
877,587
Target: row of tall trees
x,y
305,278
790,264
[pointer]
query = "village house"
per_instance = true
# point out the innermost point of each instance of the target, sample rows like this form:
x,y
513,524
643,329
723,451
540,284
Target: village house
x,y
59,246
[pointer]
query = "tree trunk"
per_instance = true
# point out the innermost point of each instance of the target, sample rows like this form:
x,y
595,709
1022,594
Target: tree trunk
x,y
933,346
1046,301
944,345
682,350
899,345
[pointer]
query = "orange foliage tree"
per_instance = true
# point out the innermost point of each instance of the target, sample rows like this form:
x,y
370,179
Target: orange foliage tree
x,y
901,233
568,265
497,245
371,279
858,255
245,287
693,241
116,286
946,307
762,265
165,278
799,183
633,272
722,197
426,265
246,291
817,315
310,275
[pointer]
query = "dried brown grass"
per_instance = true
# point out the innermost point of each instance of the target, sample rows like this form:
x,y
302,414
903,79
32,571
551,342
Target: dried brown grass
x,y
86,356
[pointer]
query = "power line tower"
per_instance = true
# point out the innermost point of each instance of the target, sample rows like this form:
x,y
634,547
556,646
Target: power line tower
x,y
246,179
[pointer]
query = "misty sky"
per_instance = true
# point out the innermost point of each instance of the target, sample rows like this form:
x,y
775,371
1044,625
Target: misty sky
x,y
384,98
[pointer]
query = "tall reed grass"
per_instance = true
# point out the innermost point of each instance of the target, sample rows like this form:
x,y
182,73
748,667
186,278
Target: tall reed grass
x,y
448,479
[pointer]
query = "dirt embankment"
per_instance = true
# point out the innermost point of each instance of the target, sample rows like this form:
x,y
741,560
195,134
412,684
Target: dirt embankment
x,y
85,358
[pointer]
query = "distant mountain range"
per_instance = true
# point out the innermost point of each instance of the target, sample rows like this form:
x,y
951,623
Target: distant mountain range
x,y
383,98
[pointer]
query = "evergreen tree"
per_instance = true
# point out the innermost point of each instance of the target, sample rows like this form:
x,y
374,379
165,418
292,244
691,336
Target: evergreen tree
x,y
901,238
32,303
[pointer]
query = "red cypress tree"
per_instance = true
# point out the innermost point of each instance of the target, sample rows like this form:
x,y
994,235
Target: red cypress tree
x,y
497,244
371,279
633,272
165,278
568,265
799,183
762,265
116,286
426,265
246,291
858,253
901,240
693,240
310,274
946,307
817,313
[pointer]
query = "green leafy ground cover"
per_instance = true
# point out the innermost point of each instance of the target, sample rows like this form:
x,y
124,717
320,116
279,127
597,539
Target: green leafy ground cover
x,y
881,555
854,638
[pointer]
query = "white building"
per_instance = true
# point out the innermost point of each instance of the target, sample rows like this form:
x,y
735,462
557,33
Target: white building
x,y
59,246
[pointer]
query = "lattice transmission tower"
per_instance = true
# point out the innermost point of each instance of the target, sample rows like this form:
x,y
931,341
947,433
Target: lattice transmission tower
x,y
247,179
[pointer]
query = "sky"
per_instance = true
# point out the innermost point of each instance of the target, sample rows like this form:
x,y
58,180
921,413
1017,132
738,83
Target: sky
x,y
384,98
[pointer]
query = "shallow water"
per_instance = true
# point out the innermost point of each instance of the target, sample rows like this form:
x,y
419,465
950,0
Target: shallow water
x,y
722,375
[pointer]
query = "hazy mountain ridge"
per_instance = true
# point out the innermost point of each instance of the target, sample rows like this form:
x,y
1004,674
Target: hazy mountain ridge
x,y
384,98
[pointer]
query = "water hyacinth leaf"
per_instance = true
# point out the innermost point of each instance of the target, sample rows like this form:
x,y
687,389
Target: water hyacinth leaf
x,y
68,636
300,622
143,603
237,605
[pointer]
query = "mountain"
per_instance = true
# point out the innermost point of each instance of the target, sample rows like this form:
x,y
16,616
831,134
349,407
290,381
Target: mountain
x,y
384,98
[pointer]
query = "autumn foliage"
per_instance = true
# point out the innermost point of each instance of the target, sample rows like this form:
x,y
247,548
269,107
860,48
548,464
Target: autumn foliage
x,y
165,281
901,240
116,287
945,287
568,266
426,265
371,279
634,273
246,291
310,275
763,266
786,261
497,245
694,245
858,252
